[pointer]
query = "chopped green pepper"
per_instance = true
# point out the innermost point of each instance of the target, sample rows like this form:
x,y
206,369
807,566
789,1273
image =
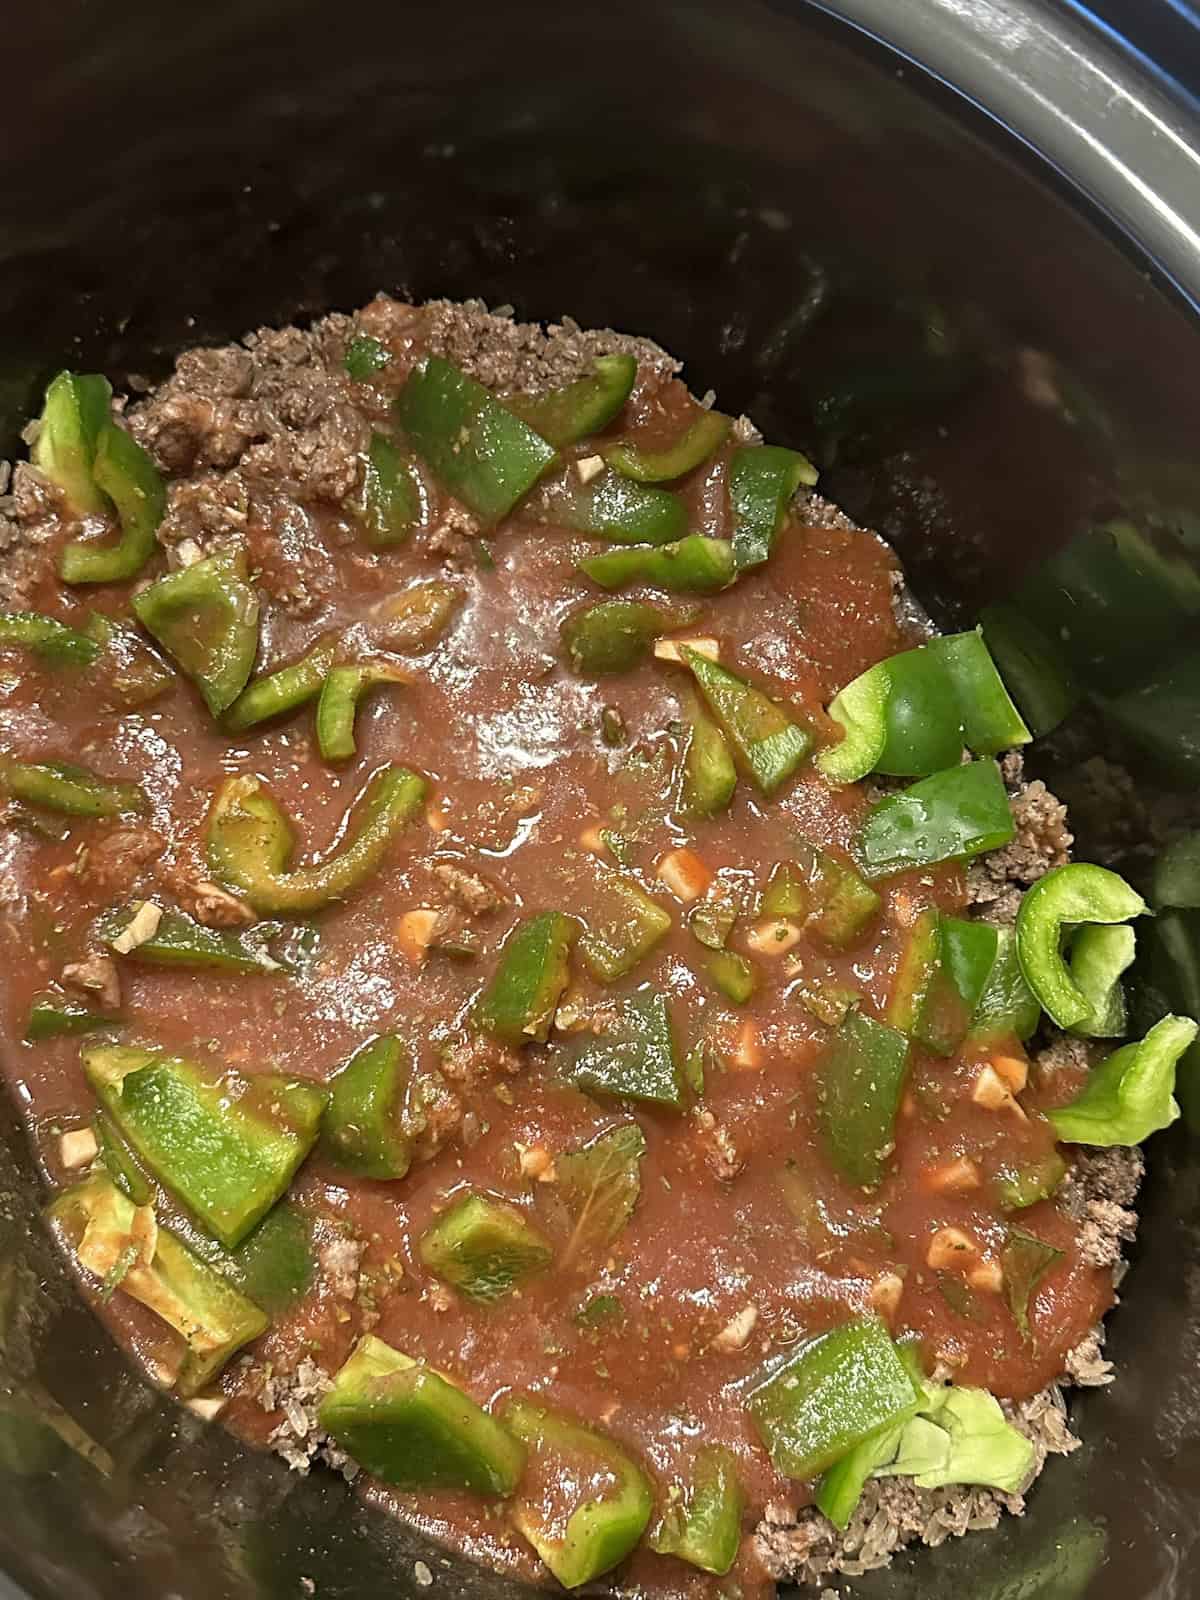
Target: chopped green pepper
x,y
705,1527
622,924
709,776
762,736
1099,953
178,941
410,1426
942,975
284,690
51,1015
948,817
635,1058
564,416
226,1145
206,616
608,1498
53,641
1007,1004
1024,1262
122,1164
338,706
991,722
484,1248
695,565
250,842
734,975
1019,1187
364,1125
832,898
762,480
860,1079
901,716
484,454
702,437
275,1265
519,1003
393,501
76,410
74,791
615,635
830,1396
1129,1095
842,1485
614,507
365,356
128,476
1076,893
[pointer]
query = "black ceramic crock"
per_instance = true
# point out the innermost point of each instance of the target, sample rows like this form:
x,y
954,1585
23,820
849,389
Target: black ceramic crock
x,y
952,249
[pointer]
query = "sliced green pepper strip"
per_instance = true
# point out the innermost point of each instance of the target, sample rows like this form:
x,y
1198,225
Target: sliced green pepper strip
x,y
276,693
991,722
1099,953
98,1223
860,1079
519,1003
762,480
411,1427
484,1248
615,635
842,1485
705,1527
1177,873
53,641
614,507
76,410
701,438
609,1498
71,790
1076,893
484,455
944,970
1129,1095
365,356
122,1165
275,1265
860,710
250,842
1007,1004
206,617
947,817
179,941
341,696
764,739
392,503
734,975
566,415
1024,1262
694,565
1019,1187
832,899
918,962
52,1015
830,1396
128,476
636,1058
622,924
227,1146
364,1125
129,674
709,776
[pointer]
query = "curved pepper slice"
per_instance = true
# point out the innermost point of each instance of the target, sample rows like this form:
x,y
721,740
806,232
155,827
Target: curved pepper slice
x,y
128,476
762,480
76,792
483,454
947,817
612,506
860,1078
587,1503
615,635
566,415
225,1144
832,898
991,722
942,975
206,617
519,1003
341,695
1076,893
709,775
275,1265
705,1527
53,641
694,565
763,737
484,1248
393,499
701,438
411,1427
1043,683
364,1125
901,717
1129,1095
635,1058
1099,953
178,941
250,842
276,693
51,1015
76,410
1024,1185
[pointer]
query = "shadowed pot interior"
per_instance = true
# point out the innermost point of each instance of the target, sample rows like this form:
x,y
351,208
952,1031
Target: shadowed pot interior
x,y
990,368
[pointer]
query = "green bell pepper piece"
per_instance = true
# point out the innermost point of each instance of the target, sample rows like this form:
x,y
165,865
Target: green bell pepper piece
x,y
227,1146
206,617
763,738
341,696
365,356
287,689
1019,1187
914,975
97,1222
831,898
129,673
614,507
734,975
76,410
52,1015
694,565
393,502
702,437
484,455
615,635
762,480
991,722
122,1165
1129,1095
1007,1004
842,1485
635,1058
830,1396
71,790
128,476
861,711
520,1002
410,1426
53,641
364,1125
178,941
709,776
609,1497
250,842
947,817
276,1264
860,1079
942,975
564,416
622,924
484,1248
705,1527
901,716
1099,953
1076,893
1024,1261
1033,665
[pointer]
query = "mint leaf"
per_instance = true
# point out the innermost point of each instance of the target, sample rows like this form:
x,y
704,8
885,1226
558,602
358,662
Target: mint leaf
x,y
599,1185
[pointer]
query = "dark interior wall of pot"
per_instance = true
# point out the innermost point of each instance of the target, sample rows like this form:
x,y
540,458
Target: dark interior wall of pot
x,y
862,266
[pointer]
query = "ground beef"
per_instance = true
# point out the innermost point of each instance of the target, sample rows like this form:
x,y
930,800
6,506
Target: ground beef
x,y
996,881
109,869
474,893
1099,1194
